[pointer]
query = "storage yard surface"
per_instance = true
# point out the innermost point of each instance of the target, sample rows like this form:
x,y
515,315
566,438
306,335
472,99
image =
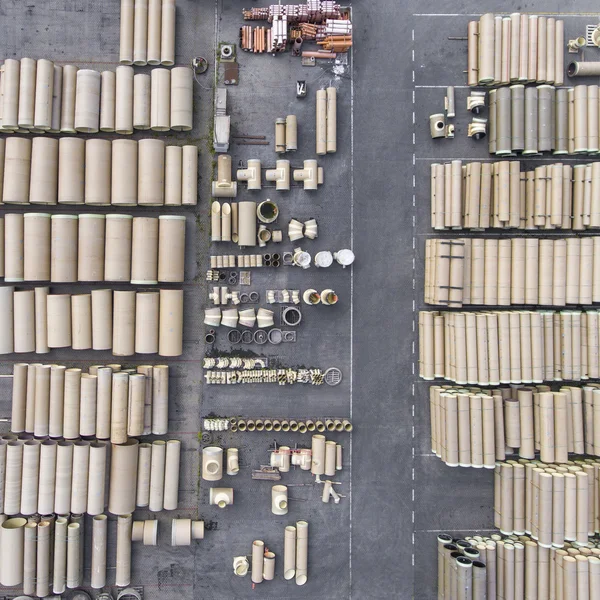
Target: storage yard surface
x,y
379,542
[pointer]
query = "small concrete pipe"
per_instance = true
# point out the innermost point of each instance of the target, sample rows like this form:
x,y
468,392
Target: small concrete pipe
x,y
279,500
301,552
123,561
108,94
182,79
233,467
171,248
226,222
157,476
269,566
583,69
331,120
11,551
44,81
124,180
291,133
170,339
123,470
99,545
212,463
141,101
71,167
124,100
258,554
318,455
87,101
171,494
69,93
321,124
280,135
59,556
74,542
96,478
140,33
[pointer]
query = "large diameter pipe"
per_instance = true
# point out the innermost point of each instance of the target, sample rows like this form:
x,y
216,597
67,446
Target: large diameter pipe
x,y
301,552
124,526
99,544
117,253
97,172
123,470
182,95
12,483
11,567
59,320
44,82
171,248
10,101
124,172
71,169
123,339
102,319
171,323
160,100
43,185
144,253
17,168
87,101
151,172
63,244
141,101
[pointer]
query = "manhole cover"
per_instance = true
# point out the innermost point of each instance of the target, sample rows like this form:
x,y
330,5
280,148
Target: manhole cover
x,y
333,376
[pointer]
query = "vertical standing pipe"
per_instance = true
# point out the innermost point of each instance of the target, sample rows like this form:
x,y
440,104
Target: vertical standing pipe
x,y
43,184
81,323
550,49
103,402
157,476
97,172
124,100
87,101
108,84
99,545
69,90
74,542
135,410
13,473
126,32
59,320
29,557
182,79
289,552
505,54
559,47
581,118
167,42
515,45
123,575
91,247
472,53
258,553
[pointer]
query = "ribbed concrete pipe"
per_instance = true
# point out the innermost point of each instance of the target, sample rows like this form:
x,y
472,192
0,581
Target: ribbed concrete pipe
x,y
173,173
59,556
26,93
123,342
99,545
160,104
123,469
182,80
189,178
146,326
258,553
74,542
171,484
117,253
87,101
140,33
151,172
157,476
69,90
154,31
108,94
102,319
81,324
301,552
167,43
124,100
12,533
24,321
12,477
126,32
97,172
71,161
43,185
17,168
59,320
171,323
120,398
141,101
36,236
10,101
160,399
171,248
144,252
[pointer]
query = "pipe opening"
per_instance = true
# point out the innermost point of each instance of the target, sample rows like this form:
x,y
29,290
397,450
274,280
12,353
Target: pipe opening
x,y
267,211
212,467
572,69
222,504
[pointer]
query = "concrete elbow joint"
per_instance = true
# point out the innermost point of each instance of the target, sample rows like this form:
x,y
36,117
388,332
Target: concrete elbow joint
x,y
311,230
280,175
221,497
279,500
295,230
309,174
251,174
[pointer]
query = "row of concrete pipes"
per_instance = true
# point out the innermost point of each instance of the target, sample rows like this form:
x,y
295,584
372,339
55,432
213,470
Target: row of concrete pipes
x,y
39,96
498,566
311,176
107,402
326,125
516,47
126,322
147,33
97,172
275,376
65,476
500,195
473,428
533,120
492,272
553,503
293,425
92,247
489,348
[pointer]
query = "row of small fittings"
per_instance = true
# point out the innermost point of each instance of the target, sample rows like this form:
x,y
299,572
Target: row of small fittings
x,y
278,376
215,424
231,261
323,259
283,296
292,425
231,277
260,336
298,230
222,295
234,362
231,317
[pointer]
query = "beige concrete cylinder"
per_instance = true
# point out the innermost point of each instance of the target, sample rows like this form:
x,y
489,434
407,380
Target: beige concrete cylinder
x,y
171,248
87,101
79,485
124,526
581,118
14,247
135,405
81,323
123,342
26,92
17,169
154,31
247,223
24,321
167,43
59,320
90,255
124,172
63,243
102,319
289,552
30,477
124,100
11,551
143,475
269,566
103,400
123,469
331,119
144,252
171,323
44,82
171,495
74,542
42,401
160,104
69,90
258,553
182,96
43,184
99,545
117,252
7,319
151,172
212,463
71,161
321,125
140,33
160,399
19,395
108,93
119,406
11,76
97,172
173,172
96,478
12,477
64,468
141,101
157,476
87,415
146,323
36,235
126,32
59,556
189,176
72,403
301,552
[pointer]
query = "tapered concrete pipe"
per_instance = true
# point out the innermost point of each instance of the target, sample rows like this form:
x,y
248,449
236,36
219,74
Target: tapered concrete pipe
x,y
17,168
12,533
123,469
120,397
173,172
141,101
160,399
59,571
160,104
124,100
301,552
126,32
157,476
99,545
43,185
71,160
140,33
11,76
63,244
24,315
289,552
97,172
59,320
108,93
90,266
144,252
123,342
44,81
189,176
124,172
74,542
26,93
87,101
182,99
117,253
151,172
81,323
69,92
171,323
36,236
167,43
171,496
102,319
171,248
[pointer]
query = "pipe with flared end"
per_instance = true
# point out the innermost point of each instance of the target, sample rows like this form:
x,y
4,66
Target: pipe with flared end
x,y
251,174
264,318
123,563
183,531
329,297
212,463
279,500
241,566
280,175
295,230
233,467
301,552
289,552
258,554
309,174
223,187
221,497
99,537
311,229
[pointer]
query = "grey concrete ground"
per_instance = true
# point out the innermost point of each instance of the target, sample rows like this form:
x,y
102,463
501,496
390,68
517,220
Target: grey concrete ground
x,y
379,543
